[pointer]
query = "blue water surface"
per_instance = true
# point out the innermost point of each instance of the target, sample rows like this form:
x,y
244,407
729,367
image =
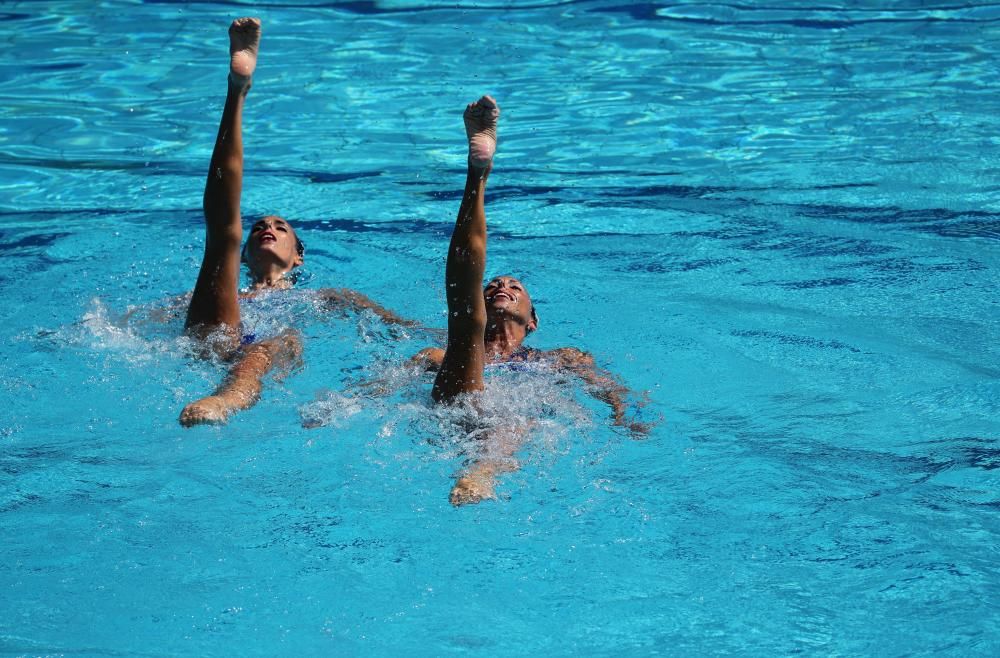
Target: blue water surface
x,y
776,223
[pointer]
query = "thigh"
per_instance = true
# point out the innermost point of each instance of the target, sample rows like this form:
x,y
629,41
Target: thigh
x,y
461,369
215,301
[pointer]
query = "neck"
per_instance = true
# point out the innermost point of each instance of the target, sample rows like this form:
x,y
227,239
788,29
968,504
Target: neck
x,y
270,277
503,338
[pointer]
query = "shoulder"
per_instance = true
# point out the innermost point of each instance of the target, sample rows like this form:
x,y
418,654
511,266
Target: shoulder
x,y
429,357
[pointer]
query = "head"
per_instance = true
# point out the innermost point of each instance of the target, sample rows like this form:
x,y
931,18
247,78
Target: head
x,y
506,297
272,245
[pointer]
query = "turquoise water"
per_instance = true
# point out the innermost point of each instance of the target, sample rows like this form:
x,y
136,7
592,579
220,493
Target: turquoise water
x,y
779,222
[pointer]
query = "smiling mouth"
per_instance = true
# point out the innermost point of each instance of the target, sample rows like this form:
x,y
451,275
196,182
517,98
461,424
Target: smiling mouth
x,y
505,295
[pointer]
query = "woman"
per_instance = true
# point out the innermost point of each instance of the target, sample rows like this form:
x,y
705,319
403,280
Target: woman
x,y
487,327
271,252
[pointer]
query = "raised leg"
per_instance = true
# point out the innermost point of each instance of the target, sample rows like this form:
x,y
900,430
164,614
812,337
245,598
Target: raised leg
x,y
215,303
462,367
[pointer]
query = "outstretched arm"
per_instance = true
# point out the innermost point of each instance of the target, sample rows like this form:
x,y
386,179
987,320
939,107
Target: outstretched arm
x,y
603,386
215,302
346,299
462,367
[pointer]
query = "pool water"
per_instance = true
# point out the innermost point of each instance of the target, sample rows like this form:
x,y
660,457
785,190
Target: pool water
x,y
777,224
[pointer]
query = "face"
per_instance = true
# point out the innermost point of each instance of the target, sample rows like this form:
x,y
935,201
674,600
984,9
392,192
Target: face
x,y
272,242
505,295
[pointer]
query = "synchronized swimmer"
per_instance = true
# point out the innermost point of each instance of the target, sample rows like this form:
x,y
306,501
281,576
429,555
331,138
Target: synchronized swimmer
x,y
486,326
271,252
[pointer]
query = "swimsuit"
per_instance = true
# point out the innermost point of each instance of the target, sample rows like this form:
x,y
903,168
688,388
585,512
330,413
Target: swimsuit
x,y
523,360
508,366
265,316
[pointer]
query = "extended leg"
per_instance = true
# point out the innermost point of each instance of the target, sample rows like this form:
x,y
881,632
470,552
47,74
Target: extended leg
x,y
242,385
462,368
215,304
496,455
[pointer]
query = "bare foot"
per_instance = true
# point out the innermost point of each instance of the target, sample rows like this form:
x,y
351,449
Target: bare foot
x,y
481,128
244,40
472,488
212,410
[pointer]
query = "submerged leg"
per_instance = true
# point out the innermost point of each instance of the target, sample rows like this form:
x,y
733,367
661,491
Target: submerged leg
x,y
477,481
242,386
462,367
215,303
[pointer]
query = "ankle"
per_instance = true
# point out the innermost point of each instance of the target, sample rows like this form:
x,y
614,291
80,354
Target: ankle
x,y
240,83
479,171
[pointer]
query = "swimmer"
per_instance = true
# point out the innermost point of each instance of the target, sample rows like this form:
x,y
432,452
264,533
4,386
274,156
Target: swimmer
x,y
487,327
271,252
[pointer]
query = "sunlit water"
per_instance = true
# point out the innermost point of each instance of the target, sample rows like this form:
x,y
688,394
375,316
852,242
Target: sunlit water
x,y
779,224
